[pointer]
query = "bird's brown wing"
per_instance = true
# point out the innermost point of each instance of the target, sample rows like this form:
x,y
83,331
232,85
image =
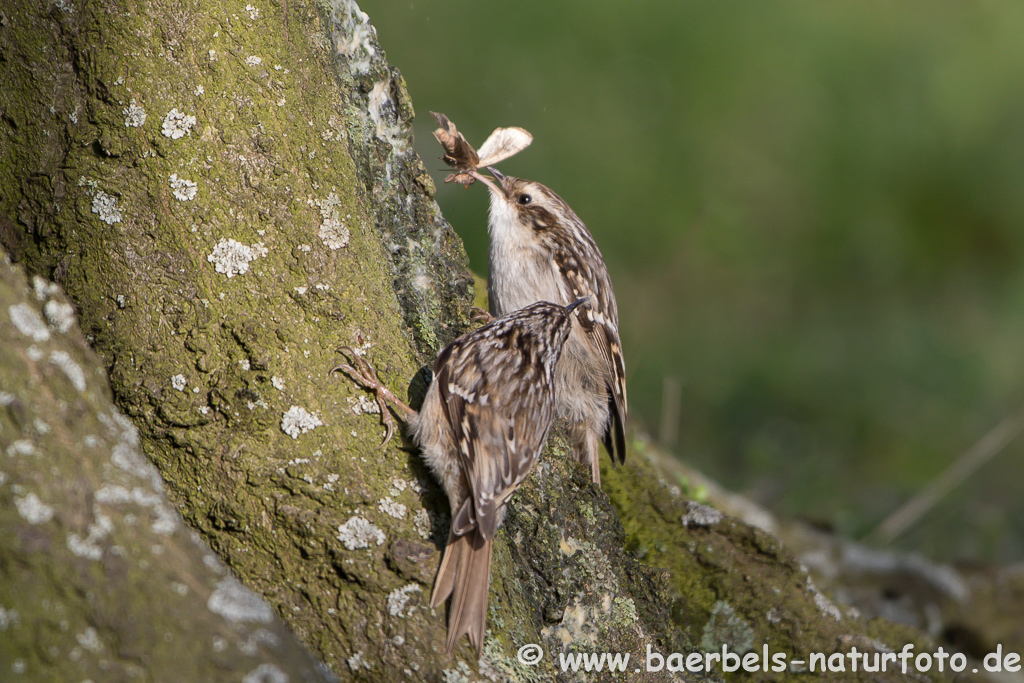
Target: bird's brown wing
x,y
490,417
600,321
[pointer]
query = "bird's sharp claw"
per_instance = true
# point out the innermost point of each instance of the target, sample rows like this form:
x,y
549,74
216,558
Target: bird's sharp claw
x,y
479,315
388,434
385,416
364,374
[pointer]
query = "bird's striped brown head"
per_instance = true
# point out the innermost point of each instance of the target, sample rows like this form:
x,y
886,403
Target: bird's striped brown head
x,y
530,204
533,336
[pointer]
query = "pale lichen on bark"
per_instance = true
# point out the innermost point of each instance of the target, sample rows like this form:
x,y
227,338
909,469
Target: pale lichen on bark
x,y
208,355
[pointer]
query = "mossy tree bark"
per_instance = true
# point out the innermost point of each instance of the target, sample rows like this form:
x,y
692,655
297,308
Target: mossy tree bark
x,y
99,579
228,193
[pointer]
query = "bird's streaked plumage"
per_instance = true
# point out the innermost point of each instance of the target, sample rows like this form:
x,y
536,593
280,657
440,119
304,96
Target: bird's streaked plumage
x,y
541,251
483,423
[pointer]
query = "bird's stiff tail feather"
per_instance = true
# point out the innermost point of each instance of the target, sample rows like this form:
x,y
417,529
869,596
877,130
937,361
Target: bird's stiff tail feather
x,y
585,442
464,574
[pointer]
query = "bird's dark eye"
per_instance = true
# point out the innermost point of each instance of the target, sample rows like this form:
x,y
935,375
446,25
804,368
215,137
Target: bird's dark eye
x,y
525,199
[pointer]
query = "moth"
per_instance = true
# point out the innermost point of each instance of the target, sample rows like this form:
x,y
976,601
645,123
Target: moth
x,y
460,155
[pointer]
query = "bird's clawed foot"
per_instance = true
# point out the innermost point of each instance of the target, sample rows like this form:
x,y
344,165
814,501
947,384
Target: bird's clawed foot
x,y
363,374
479,315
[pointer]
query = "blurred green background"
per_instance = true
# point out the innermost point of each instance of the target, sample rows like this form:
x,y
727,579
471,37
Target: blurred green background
x,y
813,214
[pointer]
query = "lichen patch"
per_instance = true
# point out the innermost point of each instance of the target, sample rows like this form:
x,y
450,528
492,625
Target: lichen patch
x,y
177,124
8,618
358,533
134,115
398,600
727,627
183,190
89,639
43,288
461,674
73,371
824,605
698,514
266,673
32,509
232,258
421,522
391,508
236,603
333,231
105,206
357,662
21,447
125,457
361,404
82,548
61,316
28,322
298,420
166,518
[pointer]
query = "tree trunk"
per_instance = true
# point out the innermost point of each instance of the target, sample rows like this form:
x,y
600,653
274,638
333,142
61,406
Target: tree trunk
x,y
228,193
99,579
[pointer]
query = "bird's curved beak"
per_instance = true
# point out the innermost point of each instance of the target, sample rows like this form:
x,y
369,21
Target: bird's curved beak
x,y
496,187
571,307
500,177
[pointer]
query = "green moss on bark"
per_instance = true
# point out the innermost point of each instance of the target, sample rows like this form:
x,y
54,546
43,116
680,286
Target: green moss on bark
x,y
732,584
99,579
209,363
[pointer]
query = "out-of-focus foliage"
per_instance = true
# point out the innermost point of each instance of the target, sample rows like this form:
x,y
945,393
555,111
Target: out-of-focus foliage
x,y
813,214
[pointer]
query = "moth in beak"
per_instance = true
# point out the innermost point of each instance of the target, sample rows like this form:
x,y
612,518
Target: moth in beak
x,y
461,156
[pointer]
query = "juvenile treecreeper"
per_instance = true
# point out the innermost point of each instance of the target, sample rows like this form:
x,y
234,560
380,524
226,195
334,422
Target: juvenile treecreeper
x,y
541,251
482,426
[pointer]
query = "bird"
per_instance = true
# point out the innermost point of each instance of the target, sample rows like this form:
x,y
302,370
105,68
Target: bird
x,y
541,251
482,425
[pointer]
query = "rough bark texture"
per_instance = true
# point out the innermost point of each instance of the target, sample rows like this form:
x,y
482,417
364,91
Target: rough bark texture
x,y
99,579
217,308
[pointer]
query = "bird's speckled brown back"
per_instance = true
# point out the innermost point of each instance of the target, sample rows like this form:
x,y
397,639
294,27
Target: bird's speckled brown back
x,y
482,426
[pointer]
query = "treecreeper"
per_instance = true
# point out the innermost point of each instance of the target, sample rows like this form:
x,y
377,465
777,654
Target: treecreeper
x,y
541,251
481,428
